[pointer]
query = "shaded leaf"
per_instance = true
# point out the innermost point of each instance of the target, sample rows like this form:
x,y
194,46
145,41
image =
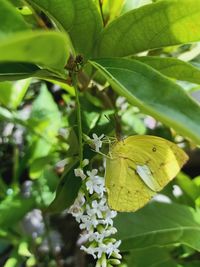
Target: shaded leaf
x,y
80,19
159,224
67,190
154,257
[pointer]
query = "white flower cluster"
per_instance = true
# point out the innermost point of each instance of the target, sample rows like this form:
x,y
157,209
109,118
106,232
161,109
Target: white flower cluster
x,y
96,220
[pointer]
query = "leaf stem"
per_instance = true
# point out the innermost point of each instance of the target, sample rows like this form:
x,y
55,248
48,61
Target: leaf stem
x,y
101,10
75,85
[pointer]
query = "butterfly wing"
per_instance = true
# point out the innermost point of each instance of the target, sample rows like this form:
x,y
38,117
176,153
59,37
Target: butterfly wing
x,y
128,189
163,158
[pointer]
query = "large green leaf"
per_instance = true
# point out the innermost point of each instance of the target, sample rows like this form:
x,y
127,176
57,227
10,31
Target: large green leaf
x,y
173,67
11,20
159,224
80,19
36,47
164,23
153,93
154,257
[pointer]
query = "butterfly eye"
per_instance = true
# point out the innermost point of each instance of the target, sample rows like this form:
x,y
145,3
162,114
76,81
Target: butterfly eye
x,y
154,149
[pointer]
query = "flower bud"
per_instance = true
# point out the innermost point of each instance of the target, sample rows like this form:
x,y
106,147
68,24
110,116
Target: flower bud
x,y
98,264
116,255
103,260
114,261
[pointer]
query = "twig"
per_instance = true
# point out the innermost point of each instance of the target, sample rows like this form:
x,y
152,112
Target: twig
x,y
75,85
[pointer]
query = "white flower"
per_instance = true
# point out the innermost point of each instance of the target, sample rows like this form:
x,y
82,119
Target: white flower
x,y
92,174
102,248
97,141
79,173
88,222
121,103
98,237
99,207
89,250
109,215
113,247
95,218
95,183
77,208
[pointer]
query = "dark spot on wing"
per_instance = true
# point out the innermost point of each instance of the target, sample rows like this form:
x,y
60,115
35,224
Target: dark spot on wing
x,y
154,149
162,164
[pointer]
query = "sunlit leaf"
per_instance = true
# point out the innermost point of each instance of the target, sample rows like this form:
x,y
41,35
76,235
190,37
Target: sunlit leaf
x,y
153,93
164,23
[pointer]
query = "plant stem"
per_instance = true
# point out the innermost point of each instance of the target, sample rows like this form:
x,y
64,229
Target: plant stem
x,y
101,10
75,85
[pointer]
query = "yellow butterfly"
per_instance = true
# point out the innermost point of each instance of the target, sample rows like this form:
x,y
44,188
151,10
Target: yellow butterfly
x,y
138,167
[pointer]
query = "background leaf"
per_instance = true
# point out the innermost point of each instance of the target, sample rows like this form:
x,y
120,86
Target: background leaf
x,y
13,208
11,20
45,119
173,67
11,94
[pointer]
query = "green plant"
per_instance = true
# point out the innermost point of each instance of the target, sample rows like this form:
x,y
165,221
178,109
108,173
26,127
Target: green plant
x,y
71,71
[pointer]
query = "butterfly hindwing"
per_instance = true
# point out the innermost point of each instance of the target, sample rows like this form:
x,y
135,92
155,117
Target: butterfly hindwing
x,y
126,191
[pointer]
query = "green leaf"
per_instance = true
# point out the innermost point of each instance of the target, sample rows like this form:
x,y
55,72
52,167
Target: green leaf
x,y
11,20
188,186
14,260
153,93
45,119
154,257
129,4
13,209
112,9
80,19
164,23
11,94
159,224
67,190
173,67
12,71
36,47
